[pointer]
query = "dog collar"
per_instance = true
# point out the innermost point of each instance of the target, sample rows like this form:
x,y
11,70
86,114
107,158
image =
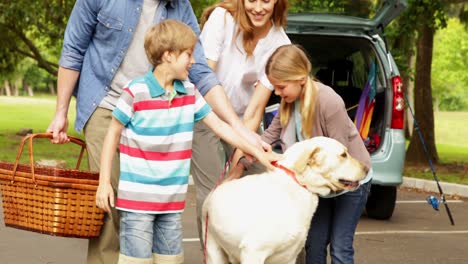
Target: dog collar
x,y
289,172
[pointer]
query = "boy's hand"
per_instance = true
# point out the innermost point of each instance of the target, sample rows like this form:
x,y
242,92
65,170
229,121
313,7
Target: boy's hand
x,y
105,196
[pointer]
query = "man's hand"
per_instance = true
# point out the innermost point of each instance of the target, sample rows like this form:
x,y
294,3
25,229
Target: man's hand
x,y
58,127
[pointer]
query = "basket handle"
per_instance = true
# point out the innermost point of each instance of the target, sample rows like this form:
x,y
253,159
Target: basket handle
x,y
30,137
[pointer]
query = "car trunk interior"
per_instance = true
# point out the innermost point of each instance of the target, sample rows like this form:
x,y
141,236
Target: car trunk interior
x,y
344,63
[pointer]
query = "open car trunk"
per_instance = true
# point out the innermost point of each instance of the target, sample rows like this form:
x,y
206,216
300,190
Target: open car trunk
x,y
344,63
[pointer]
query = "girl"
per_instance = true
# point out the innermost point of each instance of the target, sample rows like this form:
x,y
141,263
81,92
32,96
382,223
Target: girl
x,y
238,37
309,109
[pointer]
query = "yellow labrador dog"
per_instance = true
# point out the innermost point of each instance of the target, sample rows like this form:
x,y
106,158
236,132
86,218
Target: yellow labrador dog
x,y
264,218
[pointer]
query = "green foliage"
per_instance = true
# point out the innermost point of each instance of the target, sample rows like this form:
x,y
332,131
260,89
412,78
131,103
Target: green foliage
x,y
37,77
426,12
363,8
403,33
32,29
8,62
463,14
199,6
450,61
449,56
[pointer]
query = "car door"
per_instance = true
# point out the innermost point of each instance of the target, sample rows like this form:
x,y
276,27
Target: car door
x,y
341,17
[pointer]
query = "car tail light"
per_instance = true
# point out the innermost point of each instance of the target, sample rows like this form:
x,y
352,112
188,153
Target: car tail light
x,y
398,109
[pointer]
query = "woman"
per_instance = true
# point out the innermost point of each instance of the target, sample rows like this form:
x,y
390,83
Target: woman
x,y
238,37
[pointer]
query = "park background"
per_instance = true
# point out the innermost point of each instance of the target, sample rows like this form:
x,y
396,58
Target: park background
x,y
429,42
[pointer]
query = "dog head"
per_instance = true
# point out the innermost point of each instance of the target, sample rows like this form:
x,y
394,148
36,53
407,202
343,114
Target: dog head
x,y
324,165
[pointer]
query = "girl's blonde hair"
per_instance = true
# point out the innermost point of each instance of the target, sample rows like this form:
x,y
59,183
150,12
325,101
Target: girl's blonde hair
x,y
237,9
169,35
291,63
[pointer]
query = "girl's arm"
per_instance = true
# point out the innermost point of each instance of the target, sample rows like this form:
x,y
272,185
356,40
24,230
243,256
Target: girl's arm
x,y
105,193
228,134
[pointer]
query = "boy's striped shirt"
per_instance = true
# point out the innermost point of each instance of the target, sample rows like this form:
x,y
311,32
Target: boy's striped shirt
x,y
156,144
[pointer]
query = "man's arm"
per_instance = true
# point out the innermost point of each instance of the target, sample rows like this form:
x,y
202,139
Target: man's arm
x,y
66,82
78,34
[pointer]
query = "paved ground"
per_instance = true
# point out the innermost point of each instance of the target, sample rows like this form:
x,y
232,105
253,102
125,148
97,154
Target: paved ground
x,y
415,234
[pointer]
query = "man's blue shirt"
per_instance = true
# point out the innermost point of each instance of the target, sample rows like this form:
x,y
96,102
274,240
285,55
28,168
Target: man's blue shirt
x,y
97,37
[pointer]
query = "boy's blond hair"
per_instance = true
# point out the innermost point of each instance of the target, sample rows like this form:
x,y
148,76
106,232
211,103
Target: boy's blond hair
x,y
169,35
291,63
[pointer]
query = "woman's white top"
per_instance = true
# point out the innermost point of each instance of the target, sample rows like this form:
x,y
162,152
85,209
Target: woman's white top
x,y
237,72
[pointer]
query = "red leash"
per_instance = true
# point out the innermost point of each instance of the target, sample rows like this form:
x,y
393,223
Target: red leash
x,y
289,172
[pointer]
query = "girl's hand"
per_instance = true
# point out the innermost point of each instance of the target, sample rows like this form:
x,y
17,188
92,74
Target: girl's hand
x,y
105,197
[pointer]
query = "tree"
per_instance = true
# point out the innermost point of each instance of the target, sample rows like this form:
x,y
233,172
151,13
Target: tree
x,y
427,16
361,8
33,29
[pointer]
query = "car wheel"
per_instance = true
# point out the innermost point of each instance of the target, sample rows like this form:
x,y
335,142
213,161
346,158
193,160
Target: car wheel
x,y
381,202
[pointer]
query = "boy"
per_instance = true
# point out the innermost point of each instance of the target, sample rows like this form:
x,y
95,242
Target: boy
x,y
153,121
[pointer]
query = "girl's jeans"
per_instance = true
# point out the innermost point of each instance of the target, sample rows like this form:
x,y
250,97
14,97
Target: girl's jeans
x,y
334,223
142,234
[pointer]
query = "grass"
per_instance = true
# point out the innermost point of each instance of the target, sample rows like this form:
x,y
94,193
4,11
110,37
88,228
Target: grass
x,y
450,128
37,112
452,148
453,165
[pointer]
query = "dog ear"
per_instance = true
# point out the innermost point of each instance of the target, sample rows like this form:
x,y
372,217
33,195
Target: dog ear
x,y
307,158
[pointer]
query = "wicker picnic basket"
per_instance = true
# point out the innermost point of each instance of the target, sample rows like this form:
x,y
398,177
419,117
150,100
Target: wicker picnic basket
x,y
49,200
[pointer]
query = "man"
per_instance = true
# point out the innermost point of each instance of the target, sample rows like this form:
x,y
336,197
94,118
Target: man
x,y
102,51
